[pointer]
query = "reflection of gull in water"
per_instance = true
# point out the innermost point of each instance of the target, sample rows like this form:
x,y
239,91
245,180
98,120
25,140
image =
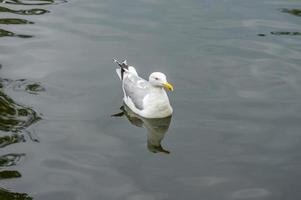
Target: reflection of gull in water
x,y
156,128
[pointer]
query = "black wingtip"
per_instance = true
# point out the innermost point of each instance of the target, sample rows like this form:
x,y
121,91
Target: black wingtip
x,y
123,66
116,61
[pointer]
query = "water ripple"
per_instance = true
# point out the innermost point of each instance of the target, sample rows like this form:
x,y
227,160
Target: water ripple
x,y
18,85
6,33
9,160
35,11
14,121
286,33
11,139
14,21
15,117
7,174
28,86
33,2
6,194
17,21
295,12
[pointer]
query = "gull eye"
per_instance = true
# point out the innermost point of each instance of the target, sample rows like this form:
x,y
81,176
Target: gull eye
x,y
156,78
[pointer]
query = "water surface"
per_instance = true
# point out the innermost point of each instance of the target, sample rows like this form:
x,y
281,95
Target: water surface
x,y
235,132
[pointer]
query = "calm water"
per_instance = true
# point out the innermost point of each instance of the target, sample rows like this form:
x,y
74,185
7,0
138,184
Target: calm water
x,y
236,129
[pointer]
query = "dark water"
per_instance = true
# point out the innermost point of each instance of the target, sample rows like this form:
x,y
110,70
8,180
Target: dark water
x,y
236,128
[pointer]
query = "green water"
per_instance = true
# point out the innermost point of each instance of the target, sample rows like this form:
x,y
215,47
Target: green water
x,y
235,132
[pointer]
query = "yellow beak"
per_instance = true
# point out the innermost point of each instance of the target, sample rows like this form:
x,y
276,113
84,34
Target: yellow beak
x,y
168,86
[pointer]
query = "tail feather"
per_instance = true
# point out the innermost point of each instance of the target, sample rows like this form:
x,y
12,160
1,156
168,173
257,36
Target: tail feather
x,y
123,67
118,71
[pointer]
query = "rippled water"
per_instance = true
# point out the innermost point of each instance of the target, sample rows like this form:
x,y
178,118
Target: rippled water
x,y
235,132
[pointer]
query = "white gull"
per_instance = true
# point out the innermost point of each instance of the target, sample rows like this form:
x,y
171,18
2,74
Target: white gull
x,y
145,98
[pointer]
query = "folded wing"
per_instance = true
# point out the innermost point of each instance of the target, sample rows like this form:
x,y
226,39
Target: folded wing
x,y
136,89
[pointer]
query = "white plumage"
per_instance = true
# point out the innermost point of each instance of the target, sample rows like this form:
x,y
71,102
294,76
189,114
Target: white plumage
x,y
145,98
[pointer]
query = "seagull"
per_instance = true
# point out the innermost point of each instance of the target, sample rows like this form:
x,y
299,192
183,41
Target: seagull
x,y
148,99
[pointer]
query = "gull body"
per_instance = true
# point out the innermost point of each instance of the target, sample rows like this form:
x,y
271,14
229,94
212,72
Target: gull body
x,y
145,98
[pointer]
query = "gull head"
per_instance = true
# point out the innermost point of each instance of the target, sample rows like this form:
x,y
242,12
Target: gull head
x,y
158,79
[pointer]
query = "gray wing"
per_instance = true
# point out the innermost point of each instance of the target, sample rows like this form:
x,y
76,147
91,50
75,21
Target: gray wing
x,y
136,88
